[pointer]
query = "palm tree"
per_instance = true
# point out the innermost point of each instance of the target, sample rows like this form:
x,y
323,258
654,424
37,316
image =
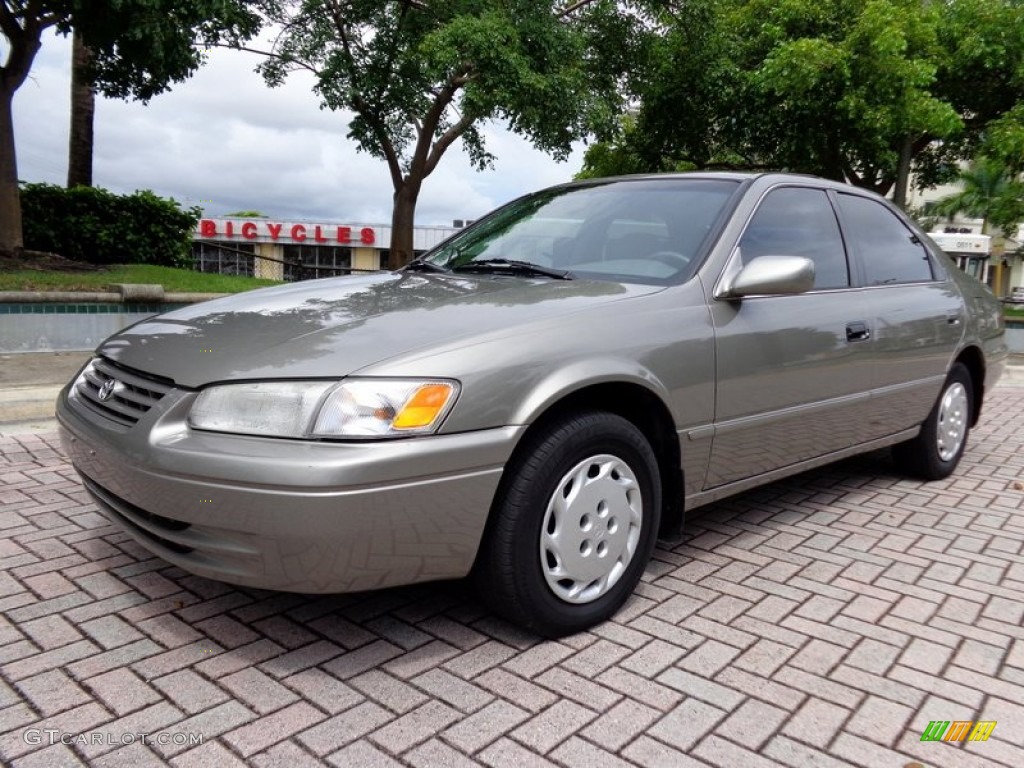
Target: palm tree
x,y
83,107
990,192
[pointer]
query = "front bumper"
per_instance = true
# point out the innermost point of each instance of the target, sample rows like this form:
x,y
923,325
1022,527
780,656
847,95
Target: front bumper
x,y
291,515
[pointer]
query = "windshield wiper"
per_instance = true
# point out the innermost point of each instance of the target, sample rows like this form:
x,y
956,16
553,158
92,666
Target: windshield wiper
x,y
512,267
420,265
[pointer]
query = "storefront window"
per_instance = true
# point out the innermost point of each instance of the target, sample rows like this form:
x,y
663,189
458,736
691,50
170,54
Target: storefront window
x,y
306,262
236,259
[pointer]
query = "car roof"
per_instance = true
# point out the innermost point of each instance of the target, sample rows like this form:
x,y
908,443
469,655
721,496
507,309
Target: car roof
x,y
726,175
763,179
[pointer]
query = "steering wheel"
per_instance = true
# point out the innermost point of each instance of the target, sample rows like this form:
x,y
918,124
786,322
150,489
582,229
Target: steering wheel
x,y
671,258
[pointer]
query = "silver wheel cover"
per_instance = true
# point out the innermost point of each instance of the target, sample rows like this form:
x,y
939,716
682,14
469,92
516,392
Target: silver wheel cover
x,y
952,421
591,528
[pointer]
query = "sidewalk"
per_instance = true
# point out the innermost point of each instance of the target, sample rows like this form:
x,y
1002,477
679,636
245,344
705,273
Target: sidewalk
x,y
842,617
29,383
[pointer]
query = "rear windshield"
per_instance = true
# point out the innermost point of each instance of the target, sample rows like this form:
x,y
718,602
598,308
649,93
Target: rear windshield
x,y
646,231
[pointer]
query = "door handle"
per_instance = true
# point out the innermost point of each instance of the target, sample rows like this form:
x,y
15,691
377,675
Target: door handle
x,y
857,331
953,318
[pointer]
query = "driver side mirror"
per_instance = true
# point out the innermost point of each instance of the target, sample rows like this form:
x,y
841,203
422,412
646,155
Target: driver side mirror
x,y
771,275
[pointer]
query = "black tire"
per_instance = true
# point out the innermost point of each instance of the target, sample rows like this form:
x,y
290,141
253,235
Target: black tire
x,y
510,574
922,456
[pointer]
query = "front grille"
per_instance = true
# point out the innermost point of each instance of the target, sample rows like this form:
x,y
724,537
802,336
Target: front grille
x,y
134,392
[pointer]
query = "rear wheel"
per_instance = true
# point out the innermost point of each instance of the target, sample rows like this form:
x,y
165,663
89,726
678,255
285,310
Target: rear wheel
x,y
573,526
937,449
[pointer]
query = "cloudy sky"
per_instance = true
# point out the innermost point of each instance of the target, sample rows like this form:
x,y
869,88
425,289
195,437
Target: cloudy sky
x,y
226,142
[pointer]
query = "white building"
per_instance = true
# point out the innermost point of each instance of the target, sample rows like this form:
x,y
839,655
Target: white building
x,y
971,252
999,263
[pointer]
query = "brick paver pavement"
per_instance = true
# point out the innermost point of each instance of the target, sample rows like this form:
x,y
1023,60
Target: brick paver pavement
x,y
821,621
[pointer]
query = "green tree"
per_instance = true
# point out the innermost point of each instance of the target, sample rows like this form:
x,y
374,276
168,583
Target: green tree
x,y
981,75
139,47
857,90
850,83
678,78
418,76
614,157
1004,138
990,191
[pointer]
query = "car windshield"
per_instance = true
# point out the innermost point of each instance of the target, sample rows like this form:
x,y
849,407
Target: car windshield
x,y
636,230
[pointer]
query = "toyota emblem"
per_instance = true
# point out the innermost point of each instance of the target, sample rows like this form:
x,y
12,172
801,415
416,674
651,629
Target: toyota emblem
x,y
107,390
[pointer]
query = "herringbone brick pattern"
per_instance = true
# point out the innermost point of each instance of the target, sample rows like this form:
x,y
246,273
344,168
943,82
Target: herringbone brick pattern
x,y
822,621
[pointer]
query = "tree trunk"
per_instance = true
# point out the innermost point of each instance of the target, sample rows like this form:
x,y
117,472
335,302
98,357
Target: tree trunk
x,y
10,201
83,107
402,217
899,195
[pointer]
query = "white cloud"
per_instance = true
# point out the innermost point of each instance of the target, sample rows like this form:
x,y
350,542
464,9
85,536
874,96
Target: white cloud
x,y
224,141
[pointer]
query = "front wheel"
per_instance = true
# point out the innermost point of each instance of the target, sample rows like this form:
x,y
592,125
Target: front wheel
x,y
573,526
937,449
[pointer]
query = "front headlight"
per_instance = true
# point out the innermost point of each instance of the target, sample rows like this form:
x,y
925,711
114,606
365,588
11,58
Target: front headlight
x,y
353,408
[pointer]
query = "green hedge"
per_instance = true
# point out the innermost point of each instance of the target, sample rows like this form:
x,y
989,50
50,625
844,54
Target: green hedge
x,y
96,226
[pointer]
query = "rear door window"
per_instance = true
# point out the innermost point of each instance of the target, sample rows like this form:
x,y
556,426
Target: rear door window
x,y
889,251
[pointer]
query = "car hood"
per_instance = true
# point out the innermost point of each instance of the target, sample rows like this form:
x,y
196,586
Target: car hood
x,y
334,327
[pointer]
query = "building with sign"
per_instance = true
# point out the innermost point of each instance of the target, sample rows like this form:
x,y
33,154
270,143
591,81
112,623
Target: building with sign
x,y
295,250
997,261
970,252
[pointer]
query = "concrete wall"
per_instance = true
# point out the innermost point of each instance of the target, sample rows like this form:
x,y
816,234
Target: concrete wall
x,y
1015,339
60,331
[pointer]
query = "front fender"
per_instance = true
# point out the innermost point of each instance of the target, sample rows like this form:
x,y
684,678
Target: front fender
x,y
579,375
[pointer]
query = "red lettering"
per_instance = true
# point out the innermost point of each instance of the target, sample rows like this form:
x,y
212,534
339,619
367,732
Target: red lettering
x,y
249,231
207,228
229,229
298,233
366,235
344,234
317,236
274,230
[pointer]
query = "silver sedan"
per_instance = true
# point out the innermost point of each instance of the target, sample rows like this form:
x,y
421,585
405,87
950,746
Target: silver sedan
x,y
536,400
